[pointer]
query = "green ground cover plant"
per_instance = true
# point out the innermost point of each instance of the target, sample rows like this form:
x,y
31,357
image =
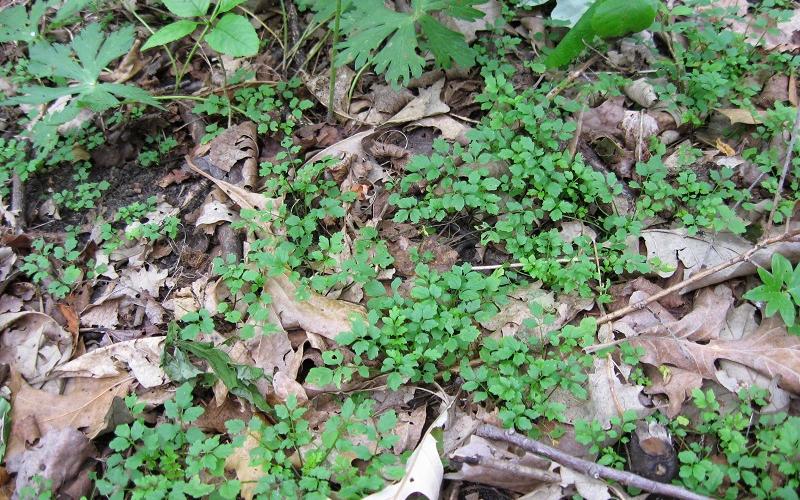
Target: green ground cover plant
x,y
310,327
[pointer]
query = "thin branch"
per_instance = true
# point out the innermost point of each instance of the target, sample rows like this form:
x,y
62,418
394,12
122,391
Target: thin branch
x,y
517,470
745,257
786,165
591,469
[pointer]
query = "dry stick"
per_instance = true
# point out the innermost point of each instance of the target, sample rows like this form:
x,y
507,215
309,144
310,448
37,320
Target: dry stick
x,y
591,469
18,202
786,163
697,277
572,77
509,467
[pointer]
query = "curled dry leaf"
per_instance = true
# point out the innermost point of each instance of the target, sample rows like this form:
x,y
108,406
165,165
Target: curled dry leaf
x,y
7,260
588,487
318,314
427,103
34,344
604,120
740,323
140,357
511,318
608,396
239,463
237,146
677,384
212,213
641,92
638,127
450,128
319,87
149,278
491,13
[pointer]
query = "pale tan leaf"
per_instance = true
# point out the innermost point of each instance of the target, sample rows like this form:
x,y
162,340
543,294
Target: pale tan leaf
x,y
34,344
142,357
427,103
83,406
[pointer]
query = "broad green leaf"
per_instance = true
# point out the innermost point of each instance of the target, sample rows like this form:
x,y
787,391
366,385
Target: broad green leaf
x,y
226,5
187,8
233,35
130,93
170,33
465,9
48,60
15,25
447,45
116,44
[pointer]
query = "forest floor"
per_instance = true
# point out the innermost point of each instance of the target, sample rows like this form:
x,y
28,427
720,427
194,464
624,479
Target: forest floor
x,y
457,271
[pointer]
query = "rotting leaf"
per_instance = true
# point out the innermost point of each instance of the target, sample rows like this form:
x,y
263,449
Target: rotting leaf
x,y
83,405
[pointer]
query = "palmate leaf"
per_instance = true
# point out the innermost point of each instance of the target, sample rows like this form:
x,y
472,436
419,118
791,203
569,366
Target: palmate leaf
x,y
16,24
79,65
388,39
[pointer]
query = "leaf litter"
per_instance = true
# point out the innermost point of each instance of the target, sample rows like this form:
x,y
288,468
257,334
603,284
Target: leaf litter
x,y
74,358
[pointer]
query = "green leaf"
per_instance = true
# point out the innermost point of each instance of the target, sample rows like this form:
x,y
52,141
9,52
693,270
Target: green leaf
x,y
170,33
320,375
225,369
233,35
447,45
388,39
187,8
226,5
5,425
17,25
70,9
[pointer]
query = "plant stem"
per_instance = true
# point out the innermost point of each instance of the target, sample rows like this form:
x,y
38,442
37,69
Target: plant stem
x,y
179,75
194,98
171,57
332,85
786,164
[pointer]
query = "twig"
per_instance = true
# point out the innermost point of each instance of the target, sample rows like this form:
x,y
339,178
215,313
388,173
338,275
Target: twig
x,y
332,83
697,277
510,467
591,469
18,202
786,164
572,77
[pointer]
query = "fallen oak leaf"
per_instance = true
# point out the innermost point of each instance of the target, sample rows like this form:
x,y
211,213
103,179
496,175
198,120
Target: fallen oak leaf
x,y
770,351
